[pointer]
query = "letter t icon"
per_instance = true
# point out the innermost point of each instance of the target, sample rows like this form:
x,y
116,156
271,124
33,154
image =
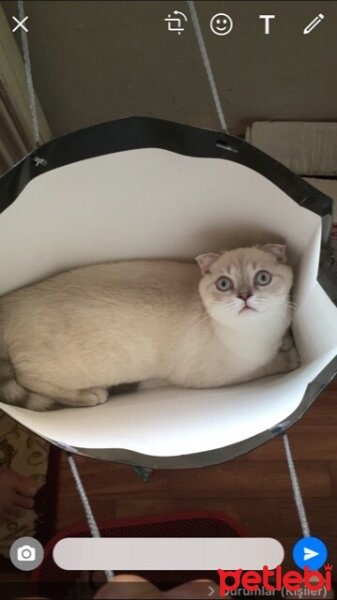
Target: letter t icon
x,y
267,22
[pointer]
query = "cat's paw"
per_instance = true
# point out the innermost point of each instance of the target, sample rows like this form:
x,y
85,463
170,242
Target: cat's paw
x,y
94,396
39,403
292,359
287,342
288,353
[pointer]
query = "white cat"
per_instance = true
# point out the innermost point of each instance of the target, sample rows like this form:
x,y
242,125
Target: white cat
x,y
69,338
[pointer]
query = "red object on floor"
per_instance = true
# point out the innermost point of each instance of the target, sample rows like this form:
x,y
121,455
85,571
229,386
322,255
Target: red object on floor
x,y
53,582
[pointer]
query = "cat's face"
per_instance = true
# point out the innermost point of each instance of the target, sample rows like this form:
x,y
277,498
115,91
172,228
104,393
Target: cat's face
x,y
242,285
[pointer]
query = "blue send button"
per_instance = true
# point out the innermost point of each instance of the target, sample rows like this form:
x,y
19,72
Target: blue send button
x,y
310,552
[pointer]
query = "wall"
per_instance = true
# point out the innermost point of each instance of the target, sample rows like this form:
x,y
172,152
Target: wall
x,y
96,61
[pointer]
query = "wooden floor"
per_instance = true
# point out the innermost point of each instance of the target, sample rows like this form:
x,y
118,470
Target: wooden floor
x,y
254,489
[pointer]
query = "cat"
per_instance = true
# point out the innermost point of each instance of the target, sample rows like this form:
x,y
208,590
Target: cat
x,y
217,322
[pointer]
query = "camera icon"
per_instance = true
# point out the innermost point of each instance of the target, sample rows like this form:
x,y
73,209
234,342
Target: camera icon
x,y
25,553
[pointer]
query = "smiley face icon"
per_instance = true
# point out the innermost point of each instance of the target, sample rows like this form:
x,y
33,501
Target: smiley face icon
x,y
221,24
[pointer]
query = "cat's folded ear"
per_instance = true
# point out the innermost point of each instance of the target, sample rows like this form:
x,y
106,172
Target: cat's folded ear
x,y
277,250
206,260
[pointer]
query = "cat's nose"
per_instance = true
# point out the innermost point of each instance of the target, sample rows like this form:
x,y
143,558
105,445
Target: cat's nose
x,y
245,295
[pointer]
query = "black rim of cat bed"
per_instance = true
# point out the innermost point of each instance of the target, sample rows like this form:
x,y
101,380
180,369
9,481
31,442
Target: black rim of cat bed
x,y
144,132
134,133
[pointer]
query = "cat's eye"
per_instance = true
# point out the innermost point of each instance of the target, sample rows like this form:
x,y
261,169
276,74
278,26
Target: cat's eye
x,y
224,284
262,278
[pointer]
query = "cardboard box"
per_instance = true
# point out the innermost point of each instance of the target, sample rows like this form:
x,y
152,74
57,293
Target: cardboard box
x,y
308,149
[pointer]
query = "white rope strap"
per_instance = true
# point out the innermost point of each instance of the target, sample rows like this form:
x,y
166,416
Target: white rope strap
x,y
36,133
29,79
207,64
86,506
296,488
204,54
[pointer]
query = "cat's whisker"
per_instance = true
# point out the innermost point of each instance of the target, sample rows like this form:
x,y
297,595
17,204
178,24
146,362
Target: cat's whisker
x,y
220,310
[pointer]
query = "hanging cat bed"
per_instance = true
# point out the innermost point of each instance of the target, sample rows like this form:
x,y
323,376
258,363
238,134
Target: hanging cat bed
x,y
146,188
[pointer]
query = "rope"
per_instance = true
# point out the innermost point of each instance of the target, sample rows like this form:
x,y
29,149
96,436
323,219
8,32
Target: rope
x,y
95,533
207,64
36,135
29,79
203,51
296,488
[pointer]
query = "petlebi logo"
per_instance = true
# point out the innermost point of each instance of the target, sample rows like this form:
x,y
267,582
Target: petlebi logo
x,y
289,582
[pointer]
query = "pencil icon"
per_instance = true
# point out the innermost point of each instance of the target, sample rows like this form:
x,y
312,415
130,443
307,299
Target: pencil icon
x,y
311,26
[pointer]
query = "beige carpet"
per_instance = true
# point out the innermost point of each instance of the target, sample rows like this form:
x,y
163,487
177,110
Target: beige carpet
x,y
27,454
